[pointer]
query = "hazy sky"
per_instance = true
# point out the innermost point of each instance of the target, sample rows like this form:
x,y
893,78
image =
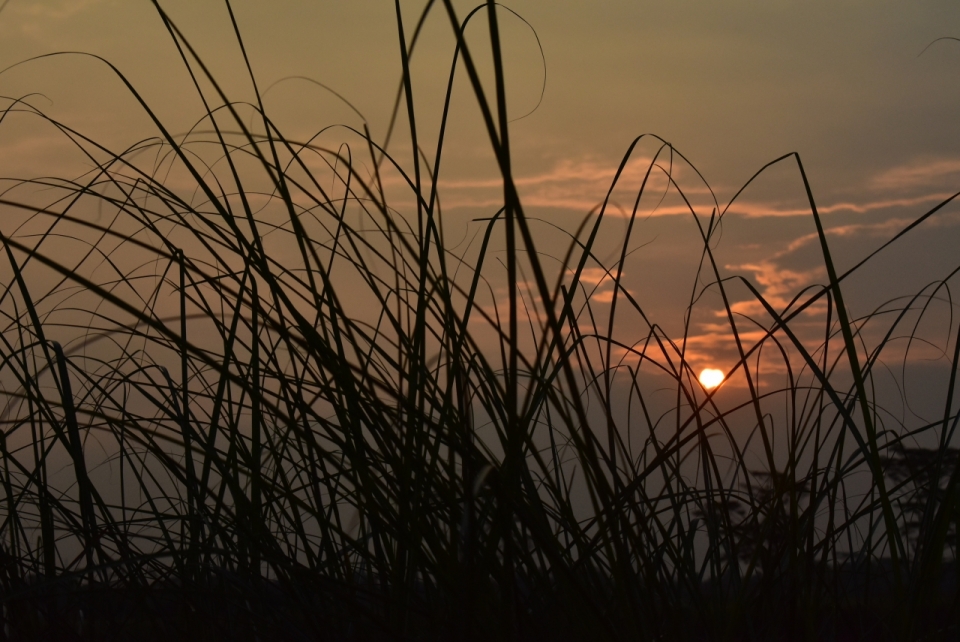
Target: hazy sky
x,y
732,85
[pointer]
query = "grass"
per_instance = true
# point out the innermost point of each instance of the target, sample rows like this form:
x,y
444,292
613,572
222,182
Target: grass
x,y
251,392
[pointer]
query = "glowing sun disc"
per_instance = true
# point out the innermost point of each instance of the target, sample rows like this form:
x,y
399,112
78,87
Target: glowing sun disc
x,y
711,378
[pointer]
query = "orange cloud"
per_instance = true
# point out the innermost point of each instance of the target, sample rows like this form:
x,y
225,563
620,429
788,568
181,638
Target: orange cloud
x,y
581,185
919,174
756,210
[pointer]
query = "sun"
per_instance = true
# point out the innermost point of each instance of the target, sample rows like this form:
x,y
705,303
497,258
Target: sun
x,y
711,378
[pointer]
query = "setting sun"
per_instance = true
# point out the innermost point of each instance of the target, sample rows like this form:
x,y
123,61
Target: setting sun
x,y
711,378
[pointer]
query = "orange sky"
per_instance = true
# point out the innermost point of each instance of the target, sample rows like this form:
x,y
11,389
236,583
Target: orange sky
x,y
731,87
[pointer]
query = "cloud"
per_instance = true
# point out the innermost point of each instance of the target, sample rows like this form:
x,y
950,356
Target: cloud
x,y
582,184
756,209
777,285
593,275
918,174
892,188
782,263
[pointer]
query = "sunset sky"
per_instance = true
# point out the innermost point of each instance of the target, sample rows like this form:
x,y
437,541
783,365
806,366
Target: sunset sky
x,y
730,85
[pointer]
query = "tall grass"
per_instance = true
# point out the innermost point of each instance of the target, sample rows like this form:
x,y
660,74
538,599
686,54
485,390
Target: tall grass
x,y
250,391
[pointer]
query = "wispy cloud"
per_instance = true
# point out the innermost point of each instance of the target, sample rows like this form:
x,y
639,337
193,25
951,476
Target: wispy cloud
x,y
890,189
582,184
777,285
756,209
919,174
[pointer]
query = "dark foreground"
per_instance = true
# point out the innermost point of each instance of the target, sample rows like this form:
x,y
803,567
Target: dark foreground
x,y
234,608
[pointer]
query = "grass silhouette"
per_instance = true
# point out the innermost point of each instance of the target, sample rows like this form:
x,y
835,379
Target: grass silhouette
x,y
254,399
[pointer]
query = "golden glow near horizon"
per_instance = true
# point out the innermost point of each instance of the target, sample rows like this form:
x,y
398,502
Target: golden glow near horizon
x,y
710,378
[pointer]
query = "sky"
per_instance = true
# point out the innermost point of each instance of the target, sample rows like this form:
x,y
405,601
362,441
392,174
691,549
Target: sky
x,y
863,91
